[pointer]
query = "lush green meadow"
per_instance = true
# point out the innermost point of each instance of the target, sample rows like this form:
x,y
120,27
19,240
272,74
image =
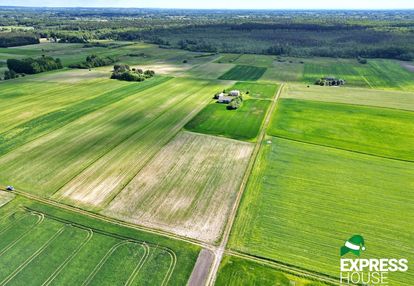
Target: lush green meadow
x,y
243,123
372,130
209,70
160,195
303,201
360,96
235,271
43,245
244,73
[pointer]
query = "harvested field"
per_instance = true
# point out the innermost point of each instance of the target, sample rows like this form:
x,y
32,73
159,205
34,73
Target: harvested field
x,y
244,73
103,179
188,188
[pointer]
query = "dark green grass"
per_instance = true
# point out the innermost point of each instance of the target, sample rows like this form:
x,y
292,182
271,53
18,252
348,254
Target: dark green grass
x,y
303,201
63,233
238,271
244,73
243,123
256,90
372,130
46,123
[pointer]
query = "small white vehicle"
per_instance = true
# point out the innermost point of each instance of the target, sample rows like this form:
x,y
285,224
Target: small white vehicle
x,y
10,188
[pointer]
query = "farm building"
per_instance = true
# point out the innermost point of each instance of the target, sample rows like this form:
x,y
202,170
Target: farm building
x,y
330,81
222,98
234,93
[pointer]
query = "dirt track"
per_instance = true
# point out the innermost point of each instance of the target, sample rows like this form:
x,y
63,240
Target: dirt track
x,y
201,269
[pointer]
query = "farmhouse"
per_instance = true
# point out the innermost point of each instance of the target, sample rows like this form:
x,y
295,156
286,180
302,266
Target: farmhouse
x,y
222,98
330,81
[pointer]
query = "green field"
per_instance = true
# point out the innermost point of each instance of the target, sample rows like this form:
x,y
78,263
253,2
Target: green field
x,y
243,123
244,73
42,245
256,90
383,74
303,201
372,130
95,146
236,271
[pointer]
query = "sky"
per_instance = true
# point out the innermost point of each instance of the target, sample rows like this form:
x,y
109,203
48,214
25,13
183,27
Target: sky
x,y
220,4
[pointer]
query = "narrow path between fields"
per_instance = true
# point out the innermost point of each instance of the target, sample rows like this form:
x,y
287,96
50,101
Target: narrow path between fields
x,y
226,234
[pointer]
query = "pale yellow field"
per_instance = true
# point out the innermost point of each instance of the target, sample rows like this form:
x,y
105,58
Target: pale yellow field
x,y
188,188
5,198
348,95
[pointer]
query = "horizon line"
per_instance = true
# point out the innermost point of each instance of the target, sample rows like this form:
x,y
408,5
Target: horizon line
x,y
211,9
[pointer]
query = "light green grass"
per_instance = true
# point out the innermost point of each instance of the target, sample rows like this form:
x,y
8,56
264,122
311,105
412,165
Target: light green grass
x,y
256,90
284,72
108,137
64,248
243,123
303,201
255,60
245,73
235,271
375,74
359,96
5,198
371,130
209,70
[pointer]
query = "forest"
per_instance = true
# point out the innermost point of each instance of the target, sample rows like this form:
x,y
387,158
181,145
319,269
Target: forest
x,y
344,34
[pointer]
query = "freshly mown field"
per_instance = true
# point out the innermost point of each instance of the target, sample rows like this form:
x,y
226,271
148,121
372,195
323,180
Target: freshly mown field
x,y
156,117
188,188
372,130
41,245
360,96
235,271
99,151
245,73
243,123
303,201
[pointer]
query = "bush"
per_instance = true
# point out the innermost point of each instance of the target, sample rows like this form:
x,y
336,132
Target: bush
x,y
124,72
33,66
94,61
236,103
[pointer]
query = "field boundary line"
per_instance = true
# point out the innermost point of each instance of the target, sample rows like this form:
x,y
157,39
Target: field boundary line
x,y
68,259
33,256
139,266
287,268
23,235
342,149
233,213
